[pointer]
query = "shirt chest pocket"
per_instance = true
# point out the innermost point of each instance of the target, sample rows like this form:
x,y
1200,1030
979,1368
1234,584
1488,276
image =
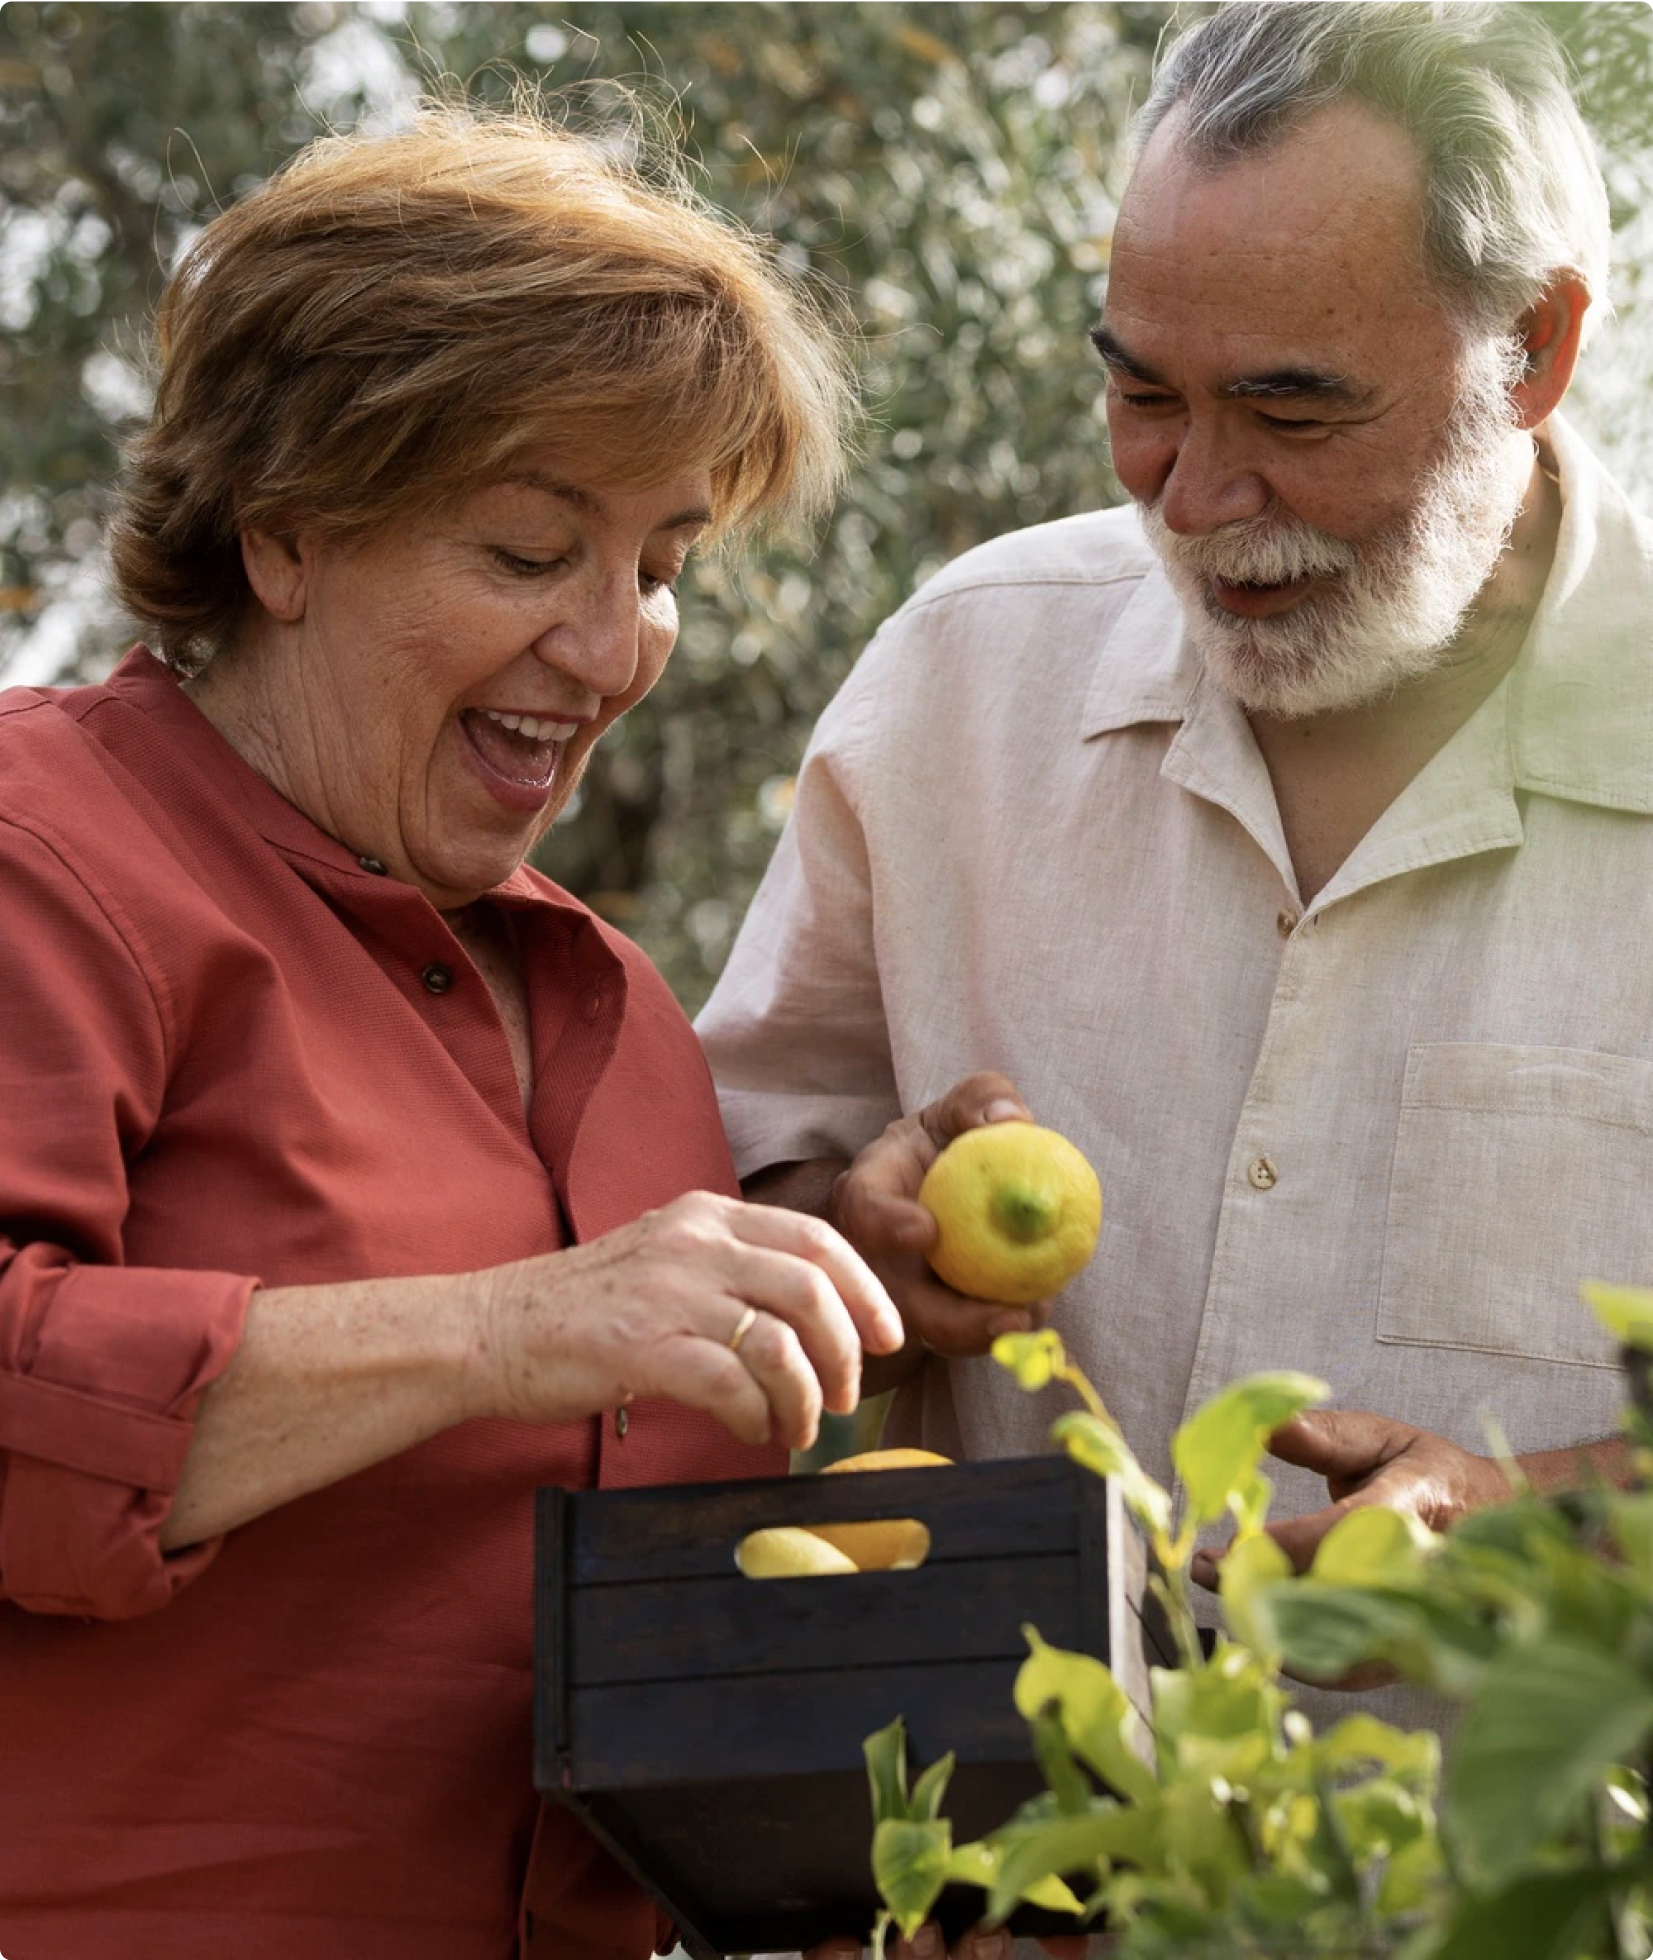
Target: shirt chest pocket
x,y
1517,1173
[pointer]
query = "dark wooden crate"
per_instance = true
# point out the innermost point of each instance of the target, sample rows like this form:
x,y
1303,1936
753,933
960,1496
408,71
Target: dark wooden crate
x,y
708,1727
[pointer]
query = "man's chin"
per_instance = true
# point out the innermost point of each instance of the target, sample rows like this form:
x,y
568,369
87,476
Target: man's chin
x,y
1298,683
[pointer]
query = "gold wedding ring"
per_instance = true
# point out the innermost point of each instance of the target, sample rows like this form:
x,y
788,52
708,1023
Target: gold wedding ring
x,y
743,1327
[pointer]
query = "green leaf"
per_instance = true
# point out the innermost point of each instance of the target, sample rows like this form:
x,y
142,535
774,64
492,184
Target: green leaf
x,y
1324,1631
1100,1448
1057,1762
1221,1720
1536,1918
980,1863
1034,1359
1551,1717
1411,1873
1248,1564
1068,1844
1362,1738
1625,1311
886,1754
909,1865
1217,1450
1373,1546
924,1805
1630,1516
1096,1714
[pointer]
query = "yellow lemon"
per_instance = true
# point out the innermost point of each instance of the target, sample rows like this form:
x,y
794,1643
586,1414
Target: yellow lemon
x,y
787,1551
885,1460
1019,1210
881,1544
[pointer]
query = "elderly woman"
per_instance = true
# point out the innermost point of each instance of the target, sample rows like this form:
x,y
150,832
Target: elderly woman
x,y
354,1180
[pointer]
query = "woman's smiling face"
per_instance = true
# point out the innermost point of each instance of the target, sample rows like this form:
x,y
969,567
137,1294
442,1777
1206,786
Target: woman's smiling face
x,y
430,697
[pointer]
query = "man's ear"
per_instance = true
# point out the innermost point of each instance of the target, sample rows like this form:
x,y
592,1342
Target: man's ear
x,y
1550,331
278,569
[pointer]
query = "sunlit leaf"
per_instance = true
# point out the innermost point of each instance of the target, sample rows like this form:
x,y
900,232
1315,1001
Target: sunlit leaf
x,y
1032,1358
909,1865
1247,1564
1096,1714
1217,1450
1066,1845
1373,1546
1550,1719
1101,1449
1411,1874
980,1864
1625,1311
886,1754
1362,1738
924,1804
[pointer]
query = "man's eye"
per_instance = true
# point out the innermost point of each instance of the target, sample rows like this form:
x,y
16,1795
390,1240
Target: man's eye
x,y
1148,401
1291,421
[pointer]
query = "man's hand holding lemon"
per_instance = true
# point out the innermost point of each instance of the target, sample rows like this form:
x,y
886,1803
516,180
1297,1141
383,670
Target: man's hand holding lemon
x,y
1006,1222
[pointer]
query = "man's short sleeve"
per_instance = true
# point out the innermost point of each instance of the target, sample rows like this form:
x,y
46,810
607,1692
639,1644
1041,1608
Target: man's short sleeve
x,y
795,1030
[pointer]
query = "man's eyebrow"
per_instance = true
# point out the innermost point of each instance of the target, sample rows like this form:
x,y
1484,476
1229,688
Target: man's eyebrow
x,y
1275,384
591,505
1297,384
1108,345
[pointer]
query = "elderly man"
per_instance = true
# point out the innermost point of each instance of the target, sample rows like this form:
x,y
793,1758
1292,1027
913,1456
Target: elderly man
x,y
1284,838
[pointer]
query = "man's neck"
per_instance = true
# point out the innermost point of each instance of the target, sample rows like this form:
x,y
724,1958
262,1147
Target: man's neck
x,y
1335,774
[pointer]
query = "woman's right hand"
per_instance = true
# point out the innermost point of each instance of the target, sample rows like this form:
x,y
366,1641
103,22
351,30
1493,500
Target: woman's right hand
x,y
650,1309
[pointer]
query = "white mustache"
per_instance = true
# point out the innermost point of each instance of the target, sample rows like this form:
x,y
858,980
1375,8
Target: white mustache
x,y
1261,550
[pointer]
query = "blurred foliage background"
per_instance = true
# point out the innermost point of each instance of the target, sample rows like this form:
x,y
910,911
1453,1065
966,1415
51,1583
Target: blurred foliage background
x,y
951,170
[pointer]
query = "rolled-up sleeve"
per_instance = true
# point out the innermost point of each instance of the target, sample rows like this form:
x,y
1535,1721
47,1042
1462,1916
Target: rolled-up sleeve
x,y
102,1365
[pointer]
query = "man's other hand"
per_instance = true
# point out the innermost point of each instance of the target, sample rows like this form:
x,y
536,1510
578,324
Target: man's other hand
x,y
1368,1459
874,1203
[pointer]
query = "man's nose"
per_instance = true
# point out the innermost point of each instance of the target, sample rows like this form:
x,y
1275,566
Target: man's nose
x,y
1208,485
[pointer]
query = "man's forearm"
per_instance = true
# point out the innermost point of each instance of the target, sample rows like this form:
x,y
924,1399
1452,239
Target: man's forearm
x,y
807,1186
1605,1460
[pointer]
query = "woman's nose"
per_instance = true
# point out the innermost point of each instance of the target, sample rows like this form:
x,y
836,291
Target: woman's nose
x,y
595,641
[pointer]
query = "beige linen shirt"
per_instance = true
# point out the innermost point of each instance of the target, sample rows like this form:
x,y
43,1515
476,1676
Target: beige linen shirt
x,y
1380,1137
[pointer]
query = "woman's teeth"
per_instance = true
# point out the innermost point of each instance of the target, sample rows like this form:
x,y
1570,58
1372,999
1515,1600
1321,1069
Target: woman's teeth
x,y
534,727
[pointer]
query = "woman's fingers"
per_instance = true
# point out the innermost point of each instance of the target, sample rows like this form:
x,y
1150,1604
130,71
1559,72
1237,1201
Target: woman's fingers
x,y
716,1382
797,1295
772,1357
875,1324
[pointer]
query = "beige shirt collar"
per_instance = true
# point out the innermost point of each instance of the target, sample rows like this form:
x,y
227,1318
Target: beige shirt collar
x,y
1572,719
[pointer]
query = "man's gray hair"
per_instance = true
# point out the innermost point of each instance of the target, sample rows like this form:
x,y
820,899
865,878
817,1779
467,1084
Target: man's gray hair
x,y
1513,191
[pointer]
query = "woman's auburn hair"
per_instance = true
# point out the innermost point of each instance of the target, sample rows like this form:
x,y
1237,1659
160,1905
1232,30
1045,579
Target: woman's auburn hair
x,y
388,322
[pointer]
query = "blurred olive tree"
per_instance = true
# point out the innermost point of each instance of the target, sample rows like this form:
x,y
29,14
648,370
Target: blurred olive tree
x,y
951,170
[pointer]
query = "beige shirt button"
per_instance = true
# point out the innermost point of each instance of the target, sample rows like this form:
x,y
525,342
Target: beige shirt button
x,y
1262,1173
622,1422
1285,923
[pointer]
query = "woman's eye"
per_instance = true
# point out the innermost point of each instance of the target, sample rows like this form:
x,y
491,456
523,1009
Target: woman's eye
x,y
513,561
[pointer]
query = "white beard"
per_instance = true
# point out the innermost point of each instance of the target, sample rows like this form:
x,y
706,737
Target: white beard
x,y
1396,603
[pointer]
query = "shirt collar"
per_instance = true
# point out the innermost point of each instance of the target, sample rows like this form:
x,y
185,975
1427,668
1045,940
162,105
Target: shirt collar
x,y
152,688
1579,701
1581,695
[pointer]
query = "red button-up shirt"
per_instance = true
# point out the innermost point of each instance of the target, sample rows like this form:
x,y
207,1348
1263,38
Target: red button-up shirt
x,y
221,1066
